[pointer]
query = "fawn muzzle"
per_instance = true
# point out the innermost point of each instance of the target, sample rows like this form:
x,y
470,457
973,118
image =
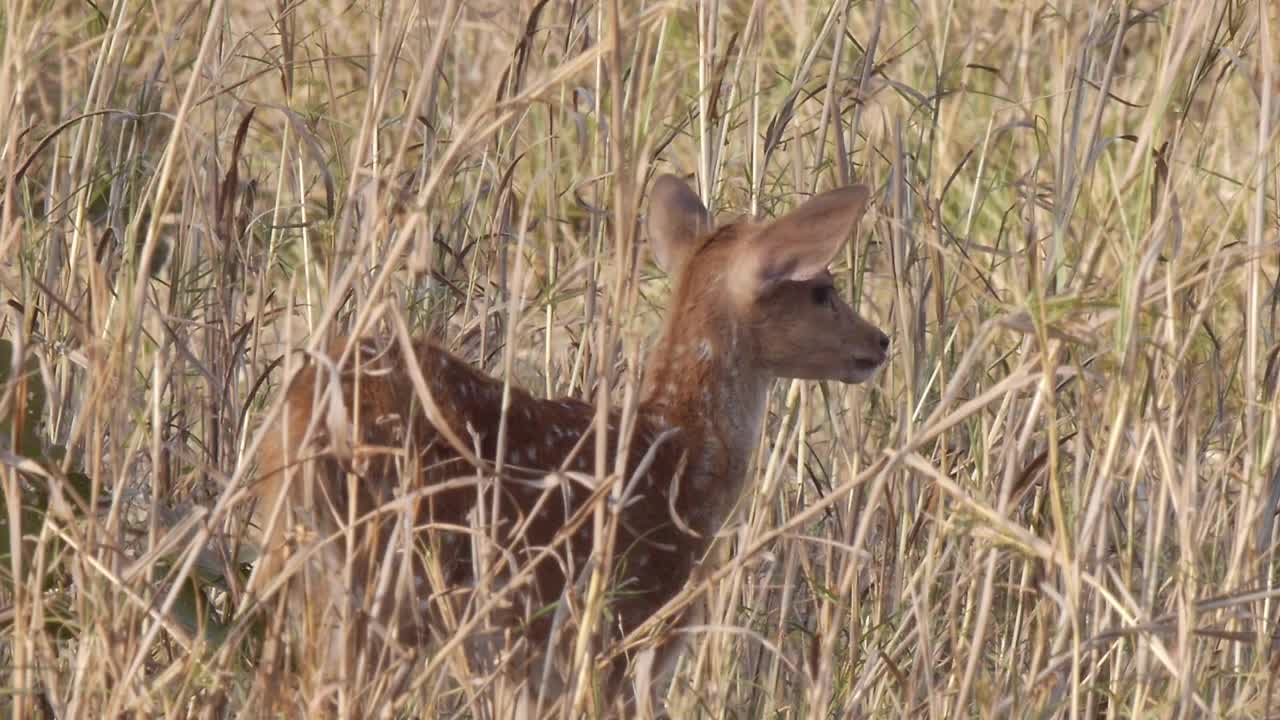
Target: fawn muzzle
x,y
870,350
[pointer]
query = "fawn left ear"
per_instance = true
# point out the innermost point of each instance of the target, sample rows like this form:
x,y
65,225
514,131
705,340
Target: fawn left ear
x,y
800,244
677,219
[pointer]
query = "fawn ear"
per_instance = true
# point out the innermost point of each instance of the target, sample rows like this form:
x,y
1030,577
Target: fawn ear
x,y
677,218
800,244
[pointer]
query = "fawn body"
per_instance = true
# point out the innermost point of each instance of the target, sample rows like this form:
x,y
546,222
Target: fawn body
x,y
750,303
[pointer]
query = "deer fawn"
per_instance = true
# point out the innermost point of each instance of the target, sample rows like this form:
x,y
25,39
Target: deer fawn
x,y
391,458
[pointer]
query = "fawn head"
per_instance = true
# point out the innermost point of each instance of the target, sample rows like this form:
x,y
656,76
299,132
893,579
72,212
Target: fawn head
x,y
761,292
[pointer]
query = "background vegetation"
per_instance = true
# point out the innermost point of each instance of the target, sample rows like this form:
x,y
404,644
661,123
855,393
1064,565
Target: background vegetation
x,y
1057,501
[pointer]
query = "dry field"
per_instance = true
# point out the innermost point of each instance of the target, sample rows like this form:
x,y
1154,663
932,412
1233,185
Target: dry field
x,y
1057,499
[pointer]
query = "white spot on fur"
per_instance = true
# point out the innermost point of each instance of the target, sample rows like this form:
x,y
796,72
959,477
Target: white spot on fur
x,y
704,349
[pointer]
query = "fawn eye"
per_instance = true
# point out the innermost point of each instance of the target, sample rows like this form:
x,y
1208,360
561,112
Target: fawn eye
x,y
822,294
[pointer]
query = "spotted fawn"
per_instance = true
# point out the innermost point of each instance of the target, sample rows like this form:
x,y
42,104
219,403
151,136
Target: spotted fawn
x,y
382,496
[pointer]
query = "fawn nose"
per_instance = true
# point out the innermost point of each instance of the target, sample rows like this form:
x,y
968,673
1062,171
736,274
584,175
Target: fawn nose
x,y
884,342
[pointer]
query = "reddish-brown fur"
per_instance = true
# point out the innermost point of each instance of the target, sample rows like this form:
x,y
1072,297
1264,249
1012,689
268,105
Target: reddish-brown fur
x,y
750,303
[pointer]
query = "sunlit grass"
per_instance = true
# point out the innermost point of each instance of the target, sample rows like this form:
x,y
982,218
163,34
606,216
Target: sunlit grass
x,y
1057,500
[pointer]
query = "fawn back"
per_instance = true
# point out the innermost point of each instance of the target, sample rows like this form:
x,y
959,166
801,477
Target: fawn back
x,y
433,505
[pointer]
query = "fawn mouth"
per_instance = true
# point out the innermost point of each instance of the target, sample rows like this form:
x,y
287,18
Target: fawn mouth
x,y
866,365
862,369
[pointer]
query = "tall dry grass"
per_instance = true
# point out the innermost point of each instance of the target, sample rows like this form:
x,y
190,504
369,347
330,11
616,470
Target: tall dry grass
x,y
1057,501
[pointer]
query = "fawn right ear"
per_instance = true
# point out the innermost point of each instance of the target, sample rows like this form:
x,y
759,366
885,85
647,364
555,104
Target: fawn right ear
x,y
677,219
800,244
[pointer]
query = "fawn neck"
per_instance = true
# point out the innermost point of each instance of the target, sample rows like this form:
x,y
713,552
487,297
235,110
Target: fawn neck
x,y
701,379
